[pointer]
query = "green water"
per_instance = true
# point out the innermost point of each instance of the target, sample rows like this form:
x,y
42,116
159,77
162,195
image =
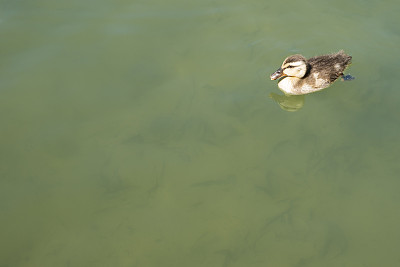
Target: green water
x,y
138,133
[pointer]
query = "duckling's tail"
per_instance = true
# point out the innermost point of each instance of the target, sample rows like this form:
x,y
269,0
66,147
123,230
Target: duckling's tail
x,y
345,57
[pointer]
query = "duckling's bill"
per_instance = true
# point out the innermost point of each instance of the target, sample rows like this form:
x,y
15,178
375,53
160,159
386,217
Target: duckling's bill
x,y
277,74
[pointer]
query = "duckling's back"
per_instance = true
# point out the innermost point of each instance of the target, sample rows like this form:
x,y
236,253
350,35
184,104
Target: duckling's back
x,y
330,66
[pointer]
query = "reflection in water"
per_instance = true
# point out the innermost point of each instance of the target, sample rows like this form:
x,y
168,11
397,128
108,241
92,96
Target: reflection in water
x,y
288,102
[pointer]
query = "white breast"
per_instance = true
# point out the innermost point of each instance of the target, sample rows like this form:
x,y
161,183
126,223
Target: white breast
x,y
288,85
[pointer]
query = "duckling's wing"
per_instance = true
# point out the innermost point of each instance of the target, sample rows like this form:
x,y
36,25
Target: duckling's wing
x,y
330,66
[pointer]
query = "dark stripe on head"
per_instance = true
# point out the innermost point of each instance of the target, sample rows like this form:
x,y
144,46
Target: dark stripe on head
x,y
294,58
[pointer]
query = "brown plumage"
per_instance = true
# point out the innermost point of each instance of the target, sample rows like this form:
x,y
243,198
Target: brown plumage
x,y
302,76
326,65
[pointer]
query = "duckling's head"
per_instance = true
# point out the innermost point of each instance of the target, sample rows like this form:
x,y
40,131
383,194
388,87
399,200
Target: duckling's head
x,y
293,66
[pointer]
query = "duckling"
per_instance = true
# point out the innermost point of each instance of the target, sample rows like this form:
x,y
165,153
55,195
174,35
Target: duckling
x,y
303,76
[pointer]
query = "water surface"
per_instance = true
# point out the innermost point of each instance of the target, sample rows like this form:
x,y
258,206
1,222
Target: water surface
x,y
144,134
